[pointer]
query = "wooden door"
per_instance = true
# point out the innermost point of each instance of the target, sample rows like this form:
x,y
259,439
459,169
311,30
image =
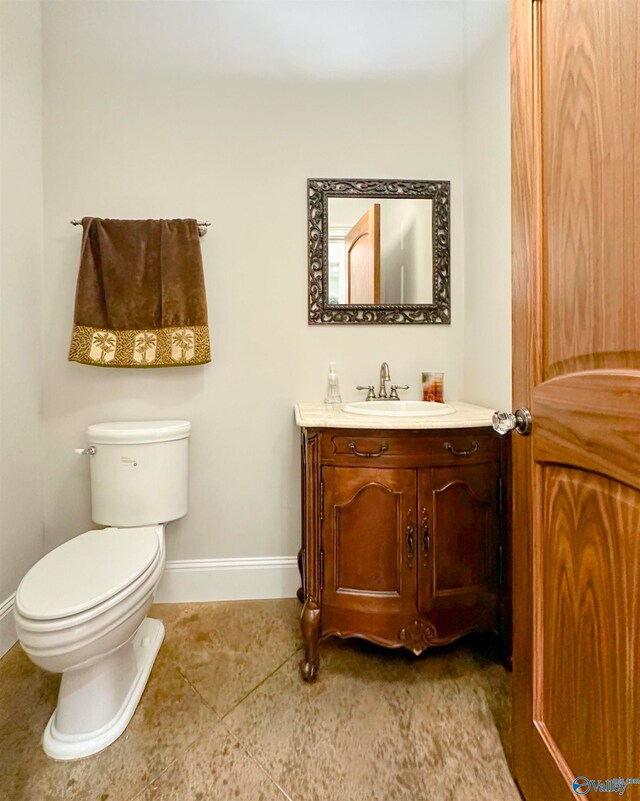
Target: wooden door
x,y
363,258
459,540
369,539
576,318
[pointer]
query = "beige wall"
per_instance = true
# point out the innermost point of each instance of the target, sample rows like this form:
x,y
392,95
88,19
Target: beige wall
x,y
21,528
487,199
222,111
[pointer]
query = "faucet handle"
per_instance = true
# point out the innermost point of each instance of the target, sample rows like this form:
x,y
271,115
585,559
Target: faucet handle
x,y
371,395
393,395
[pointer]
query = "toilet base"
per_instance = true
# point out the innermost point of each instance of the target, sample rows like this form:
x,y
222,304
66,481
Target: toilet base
x,y
96,702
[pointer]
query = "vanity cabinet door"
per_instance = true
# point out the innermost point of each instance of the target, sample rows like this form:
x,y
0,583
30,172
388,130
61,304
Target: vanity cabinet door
x,y
459,541
369,540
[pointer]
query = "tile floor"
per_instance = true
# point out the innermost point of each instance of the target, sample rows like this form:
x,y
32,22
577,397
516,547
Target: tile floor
x,y
225,715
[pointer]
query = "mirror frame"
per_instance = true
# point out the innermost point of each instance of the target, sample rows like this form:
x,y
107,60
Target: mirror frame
x,y
321,312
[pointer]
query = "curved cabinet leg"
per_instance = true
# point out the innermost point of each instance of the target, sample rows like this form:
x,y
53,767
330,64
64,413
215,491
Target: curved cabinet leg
x,y
300,592
310,624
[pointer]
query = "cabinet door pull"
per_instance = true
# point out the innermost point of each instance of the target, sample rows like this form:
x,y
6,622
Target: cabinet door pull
x,y
475,446
368,454
426,540
411,548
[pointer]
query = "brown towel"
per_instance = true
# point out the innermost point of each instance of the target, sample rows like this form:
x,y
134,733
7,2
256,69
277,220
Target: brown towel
x,y
140,297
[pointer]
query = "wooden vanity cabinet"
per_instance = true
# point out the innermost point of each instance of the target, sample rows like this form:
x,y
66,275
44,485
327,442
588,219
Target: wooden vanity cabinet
x,y
403,536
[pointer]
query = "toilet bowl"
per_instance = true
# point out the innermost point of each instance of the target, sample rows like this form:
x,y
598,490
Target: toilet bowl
x,y
81,610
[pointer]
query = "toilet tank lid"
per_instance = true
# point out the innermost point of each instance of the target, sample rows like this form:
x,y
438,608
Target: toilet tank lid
x,y
141,431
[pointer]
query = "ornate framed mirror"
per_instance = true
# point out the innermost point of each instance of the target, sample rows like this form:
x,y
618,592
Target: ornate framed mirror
x,y
378,251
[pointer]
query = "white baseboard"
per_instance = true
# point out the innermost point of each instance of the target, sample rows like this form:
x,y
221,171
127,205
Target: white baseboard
x,y
229,579
193,580
7,625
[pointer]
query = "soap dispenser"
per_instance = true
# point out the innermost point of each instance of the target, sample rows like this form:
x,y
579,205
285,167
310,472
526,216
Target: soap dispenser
x,y
333,388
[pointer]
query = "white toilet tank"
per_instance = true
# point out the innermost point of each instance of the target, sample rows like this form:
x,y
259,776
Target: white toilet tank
x,y
139,472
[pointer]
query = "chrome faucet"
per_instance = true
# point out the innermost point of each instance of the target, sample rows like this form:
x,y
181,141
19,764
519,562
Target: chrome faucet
x,y
382,392
384,377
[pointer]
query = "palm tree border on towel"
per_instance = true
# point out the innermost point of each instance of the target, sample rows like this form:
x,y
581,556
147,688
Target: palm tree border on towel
x,y
177,346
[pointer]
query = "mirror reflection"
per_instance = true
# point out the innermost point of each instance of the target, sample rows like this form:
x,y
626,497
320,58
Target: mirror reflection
x,y
379,250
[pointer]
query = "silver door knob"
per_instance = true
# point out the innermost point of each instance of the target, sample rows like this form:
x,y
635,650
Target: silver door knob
x,y
503,422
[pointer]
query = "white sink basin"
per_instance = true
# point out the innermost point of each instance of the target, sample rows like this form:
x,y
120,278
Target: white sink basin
x,y
398,408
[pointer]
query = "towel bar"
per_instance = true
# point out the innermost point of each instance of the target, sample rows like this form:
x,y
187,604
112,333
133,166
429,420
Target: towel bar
x,y
202,225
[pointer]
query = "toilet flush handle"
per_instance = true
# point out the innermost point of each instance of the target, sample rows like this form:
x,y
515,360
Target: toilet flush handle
x,y
90,451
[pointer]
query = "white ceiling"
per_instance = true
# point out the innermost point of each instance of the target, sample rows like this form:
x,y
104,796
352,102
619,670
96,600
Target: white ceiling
x,y
286,39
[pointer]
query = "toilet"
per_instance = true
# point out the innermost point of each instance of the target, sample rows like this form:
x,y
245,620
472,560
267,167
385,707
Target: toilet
x,y
81,610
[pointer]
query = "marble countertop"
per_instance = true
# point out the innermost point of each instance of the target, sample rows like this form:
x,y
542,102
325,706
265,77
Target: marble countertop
x,y
322,415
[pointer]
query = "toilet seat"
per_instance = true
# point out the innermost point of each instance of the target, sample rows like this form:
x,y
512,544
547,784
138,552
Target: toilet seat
x,y
89,572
